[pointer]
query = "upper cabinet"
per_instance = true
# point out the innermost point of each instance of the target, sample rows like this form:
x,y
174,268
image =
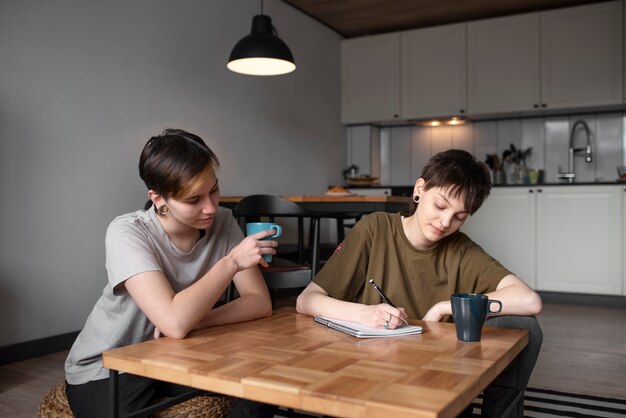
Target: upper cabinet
x,y
432,64
433,72
556,60
370,79
561,59
503,64
581,56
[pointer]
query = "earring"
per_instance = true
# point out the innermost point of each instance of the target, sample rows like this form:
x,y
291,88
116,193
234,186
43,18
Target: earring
x,y
162,211
416,198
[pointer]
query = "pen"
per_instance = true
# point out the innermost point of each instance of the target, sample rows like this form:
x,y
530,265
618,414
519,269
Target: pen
x,y
385,298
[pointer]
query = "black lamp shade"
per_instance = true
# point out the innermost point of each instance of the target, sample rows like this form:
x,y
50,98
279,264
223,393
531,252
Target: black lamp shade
x,y
261,52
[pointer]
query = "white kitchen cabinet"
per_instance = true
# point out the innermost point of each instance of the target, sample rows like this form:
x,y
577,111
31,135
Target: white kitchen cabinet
x,y
370,79
556,238
433,72
503,64
560,59
582,56
579,243
504,227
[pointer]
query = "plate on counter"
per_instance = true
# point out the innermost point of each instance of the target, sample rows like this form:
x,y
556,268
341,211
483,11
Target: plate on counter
x,y
338,191
338,194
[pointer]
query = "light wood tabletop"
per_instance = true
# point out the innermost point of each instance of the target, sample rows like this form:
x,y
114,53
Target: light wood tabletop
x,y
290,360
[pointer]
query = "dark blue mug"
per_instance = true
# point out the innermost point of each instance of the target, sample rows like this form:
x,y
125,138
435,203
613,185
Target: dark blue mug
x,y
469,311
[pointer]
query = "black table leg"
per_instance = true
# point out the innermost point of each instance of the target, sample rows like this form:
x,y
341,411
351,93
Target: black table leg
x,y
114,394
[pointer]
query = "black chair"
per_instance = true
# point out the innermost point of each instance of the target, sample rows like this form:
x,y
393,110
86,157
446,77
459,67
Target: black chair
x,y
283,273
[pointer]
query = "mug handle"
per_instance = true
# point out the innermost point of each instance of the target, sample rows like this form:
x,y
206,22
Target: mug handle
x,y
489,302
279,231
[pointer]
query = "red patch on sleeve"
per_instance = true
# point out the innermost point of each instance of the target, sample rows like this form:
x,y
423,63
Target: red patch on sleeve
x,y
339,247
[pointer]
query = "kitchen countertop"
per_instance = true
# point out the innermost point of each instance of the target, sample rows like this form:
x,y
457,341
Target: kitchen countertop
x,y
582,183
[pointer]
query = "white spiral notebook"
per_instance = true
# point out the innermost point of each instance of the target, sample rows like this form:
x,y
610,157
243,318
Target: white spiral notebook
x,y
361,331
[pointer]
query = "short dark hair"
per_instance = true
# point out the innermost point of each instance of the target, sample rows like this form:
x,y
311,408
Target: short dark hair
x,y
460,172
170,161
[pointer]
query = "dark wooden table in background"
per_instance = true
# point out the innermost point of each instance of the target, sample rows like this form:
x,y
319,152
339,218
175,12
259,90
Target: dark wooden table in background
x,y
339,204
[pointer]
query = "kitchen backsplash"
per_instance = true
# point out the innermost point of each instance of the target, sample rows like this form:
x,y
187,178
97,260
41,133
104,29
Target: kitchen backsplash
x,y
398,154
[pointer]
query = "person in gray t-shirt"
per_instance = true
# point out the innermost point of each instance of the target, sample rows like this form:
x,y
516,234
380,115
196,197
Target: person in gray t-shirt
x,y
167,267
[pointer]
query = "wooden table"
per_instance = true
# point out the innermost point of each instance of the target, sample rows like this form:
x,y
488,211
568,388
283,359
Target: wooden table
x,y
337,204
290,360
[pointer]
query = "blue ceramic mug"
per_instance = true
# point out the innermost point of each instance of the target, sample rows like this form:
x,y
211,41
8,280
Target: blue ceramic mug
x,y
254,227
469,311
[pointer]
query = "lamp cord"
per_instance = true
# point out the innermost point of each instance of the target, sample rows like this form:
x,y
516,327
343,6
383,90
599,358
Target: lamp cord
x,y
274,31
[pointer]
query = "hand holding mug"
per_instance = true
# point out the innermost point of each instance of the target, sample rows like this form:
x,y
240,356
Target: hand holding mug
x,y
253,228
253,249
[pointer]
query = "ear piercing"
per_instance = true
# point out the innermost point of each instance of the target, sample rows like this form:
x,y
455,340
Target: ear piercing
x,y
162,211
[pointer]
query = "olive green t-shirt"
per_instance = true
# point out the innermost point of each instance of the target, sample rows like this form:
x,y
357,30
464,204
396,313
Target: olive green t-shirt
x,y
377,248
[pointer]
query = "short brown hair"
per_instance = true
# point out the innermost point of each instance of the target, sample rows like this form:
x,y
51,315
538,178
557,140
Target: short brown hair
x,y
170,161
458,171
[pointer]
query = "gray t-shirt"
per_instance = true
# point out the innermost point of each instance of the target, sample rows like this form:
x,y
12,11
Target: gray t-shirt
x,y
136,243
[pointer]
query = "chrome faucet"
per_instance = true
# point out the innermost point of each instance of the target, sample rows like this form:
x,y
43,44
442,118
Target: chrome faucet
x,y
569,174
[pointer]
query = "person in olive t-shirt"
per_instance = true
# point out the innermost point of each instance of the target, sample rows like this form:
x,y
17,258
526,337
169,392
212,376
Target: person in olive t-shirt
x,y
422,258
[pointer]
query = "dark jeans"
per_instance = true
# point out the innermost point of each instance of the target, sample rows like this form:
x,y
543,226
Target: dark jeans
x,y
244,408
91,400
503,398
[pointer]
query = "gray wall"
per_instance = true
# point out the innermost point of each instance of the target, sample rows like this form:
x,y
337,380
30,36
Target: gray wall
x,y
84,83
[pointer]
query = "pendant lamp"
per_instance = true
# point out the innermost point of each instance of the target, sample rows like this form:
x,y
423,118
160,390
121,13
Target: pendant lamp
x,y
262,52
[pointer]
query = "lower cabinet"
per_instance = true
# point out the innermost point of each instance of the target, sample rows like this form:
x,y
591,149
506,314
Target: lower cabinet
x,y
579,239
556,238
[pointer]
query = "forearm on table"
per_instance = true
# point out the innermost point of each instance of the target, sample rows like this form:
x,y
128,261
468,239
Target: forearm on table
x,y
189,306
314,301
245,308
516,297
253,302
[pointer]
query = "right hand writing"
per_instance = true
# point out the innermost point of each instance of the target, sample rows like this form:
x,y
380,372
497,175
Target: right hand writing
x,y
249,252
376,315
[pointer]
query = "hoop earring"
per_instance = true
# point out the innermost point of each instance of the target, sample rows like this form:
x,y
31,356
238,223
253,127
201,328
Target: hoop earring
x,y
162,211
416,198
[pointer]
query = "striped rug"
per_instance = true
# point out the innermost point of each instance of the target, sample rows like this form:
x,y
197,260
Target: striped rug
x,y
543,403
540,403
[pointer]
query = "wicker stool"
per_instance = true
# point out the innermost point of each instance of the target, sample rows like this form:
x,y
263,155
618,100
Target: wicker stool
x,y
54,405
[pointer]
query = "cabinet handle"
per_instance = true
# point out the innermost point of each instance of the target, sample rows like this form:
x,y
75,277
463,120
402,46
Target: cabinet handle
x,y
531,191
539,190
462,111
543,105
535,105
395,116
